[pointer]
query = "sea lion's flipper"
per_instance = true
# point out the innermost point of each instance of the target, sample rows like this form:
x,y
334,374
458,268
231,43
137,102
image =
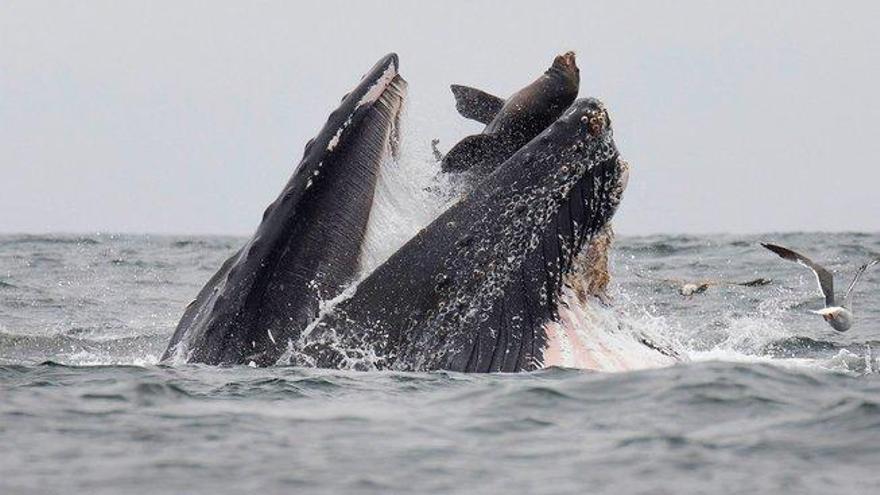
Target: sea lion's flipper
x,y
479,149
474,104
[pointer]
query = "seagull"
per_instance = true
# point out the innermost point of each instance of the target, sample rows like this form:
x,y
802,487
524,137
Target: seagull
x,y
839,316
689,288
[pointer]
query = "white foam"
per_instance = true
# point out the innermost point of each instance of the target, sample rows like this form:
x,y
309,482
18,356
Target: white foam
x,y
755,337
104,358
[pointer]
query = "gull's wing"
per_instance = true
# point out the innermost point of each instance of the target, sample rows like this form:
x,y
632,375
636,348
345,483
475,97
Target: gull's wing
x,y
823,276
859,274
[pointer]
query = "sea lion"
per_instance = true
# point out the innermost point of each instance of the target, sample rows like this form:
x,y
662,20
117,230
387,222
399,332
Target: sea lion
x,y
511,123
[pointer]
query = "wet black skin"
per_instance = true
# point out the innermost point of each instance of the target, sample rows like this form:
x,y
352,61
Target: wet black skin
x,y
307,247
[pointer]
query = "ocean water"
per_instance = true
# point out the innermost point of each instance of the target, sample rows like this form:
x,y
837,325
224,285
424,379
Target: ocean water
x,y
767,398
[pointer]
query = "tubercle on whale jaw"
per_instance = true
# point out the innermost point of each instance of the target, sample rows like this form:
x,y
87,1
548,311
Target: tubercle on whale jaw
x,y
596,120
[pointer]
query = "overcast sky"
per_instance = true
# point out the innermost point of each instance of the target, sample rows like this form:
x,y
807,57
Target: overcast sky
x,y
188,117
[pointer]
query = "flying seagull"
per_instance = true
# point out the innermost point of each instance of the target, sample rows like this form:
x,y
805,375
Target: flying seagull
x,y
691,287
839,316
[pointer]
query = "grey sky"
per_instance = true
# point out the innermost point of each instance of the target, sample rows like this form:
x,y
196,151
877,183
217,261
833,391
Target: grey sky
x,y
190,116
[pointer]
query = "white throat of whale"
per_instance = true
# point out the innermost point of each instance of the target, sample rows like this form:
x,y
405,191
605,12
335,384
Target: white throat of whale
x,y
591,336
588,334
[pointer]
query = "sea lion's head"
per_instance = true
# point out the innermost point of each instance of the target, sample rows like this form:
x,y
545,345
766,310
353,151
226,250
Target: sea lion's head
x,y
564,66
565,62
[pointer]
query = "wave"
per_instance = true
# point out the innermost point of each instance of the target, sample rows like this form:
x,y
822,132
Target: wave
x,y
75,350
49,239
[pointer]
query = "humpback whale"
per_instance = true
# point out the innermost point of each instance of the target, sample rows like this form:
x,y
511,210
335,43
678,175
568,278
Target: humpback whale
x,y
475,290
510,123
308,245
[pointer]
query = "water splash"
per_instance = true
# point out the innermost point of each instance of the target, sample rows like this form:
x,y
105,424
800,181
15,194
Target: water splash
x,y
410,193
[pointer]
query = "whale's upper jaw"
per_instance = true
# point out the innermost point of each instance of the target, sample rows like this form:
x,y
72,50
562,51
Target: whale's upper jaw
x,y
308,243
382,77
382,84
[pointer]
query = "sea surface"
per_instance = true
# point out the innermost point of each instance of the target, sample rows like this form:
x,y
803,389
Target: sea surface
x,y
767,398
